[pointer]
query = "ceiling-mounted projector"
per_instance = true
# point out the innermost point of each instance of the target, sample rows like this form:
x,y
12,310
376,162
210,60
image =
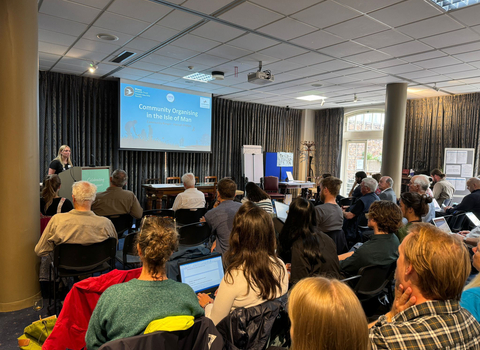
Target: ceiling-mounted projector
x,y
259,77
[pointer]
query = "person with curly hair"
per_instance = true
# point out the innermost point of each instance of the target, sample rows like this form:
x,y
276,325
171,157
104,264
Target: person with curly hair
x,y
384,217
413,206
126,309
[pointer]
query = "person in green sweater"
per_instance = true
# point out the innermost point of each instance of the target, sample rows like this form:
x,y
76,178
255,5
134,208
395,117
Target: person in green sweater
x,y
126,309
413,206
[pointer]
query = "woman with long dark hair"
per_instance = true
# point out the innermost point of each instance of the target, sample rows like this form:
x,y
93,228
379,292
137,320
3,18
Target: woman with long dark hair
x,y
50,202
253,272
255,194
309,251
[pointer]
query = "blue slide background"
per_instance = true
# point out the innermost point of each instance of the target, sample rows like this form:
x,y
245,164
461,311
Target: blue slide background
x,y
164,128
271,168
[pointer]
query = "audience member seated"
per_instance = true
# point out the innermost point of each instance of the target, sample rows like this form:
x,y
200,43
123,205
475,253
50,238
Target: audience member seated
x,y
471,294
420,184
384,218
470,202
191,198
413,206
386,191
253,272
79,226
115,200
310,251
326,314
377,177
50,202
220,219
126,309
431,271
356,191
442,190
356,212
256,195
329,215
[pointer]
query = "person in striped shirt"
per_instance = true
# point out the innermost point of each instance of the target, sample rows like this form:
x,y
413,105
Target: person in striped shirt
x,y
256,195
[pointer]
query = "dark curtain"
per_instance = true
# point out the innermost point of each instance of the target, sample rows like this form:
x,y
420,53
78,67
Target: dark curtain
x,y
241,123
328,141
83,113
433,124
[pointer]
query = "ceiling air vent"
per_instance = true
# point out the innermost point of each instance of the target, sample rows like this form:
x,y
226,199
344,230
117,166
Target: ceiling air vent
x,y
122,57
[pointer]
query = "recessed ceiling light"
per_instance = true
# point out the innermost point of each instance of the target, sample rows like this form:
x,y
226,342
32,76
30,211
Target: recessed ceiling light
x,y
311,98
107,37
448,5
201,77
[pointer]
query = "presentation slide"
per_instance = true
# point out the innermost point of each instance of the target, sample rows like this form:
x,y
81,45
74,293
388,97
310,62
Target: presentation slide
x,y
152,118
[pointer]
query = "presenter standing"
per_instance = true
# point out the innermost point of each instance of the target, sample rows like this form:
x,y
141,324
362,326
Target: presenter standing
x,y
62,162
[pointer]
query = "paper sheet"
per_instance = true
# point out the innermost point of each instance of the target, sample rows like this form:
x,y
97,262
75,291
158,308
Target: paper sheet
x,y
453,169
451,157
462,157
467,170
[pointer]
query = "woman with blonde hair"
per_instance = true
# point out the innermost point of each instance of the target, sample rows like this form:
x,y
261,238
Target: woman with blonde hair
x,y
61,162
326,315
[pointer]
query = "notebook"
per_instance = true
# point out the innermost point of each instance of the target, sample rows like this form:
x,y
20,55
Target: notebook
x,y
441,223
202,274
282,210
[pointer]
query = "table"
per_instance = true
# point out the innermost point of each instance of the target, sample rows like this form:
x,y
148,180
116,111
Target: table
x,y
155,192
286,185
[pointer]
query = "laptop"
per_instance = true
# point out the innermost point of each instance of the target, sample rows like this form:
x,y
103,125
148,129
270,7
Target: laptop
x,y
437,207
441,223
473,219
282,210
202,274
289,176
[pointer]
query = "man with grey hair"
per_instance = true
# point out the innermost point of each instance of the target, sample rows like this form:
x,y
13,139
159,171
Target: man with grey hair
x,y
191,198
420,185
79,226
385,185
117,201
470,202
355,214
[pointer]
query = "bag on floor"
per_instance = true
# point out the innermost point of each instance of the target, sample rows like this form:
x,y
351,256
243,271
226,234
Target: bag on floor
x,y
35,334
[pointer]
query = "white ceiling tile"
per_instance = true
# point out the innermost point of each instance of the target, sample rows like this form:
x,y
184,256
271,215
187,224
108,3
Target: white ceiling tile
x,y
179,73
332,65
230,52
139,9
317,40
468,56
418,74
387,63
205,6
52,48
325,14
430,26
179,20
71,69
341,80
253,42
287,28
476,29
463,75
475,64
48,57
344,49
56,38
382,39
147,66
404,68
438,62
162,77
368,5
409,48
141,44
176,52
469,15
283,51
217,31
137,72
405,12
282,66
44,66
91,34
388,79
356,28
69,10
349,71
161,60
159,33
60,25
87,55
462,48
452,38
286,7
250,15
99,4
208,59
152,81
475,80
196,43
453,69
463,89
256,57
309,58
368,57
424,56
366,75
122,74
306,72
432,79
90,45
121,23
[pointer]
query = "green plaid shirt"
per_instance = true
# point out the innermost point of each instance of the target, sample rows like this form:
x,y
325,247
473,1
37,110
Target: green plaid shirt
x,y
431,325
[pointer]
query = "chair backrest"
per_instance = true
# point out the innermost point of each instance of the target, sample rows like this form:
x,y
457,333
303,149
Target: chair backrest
x,y
270,184
189,216
129,246
173,180
457,222
340,240
211,179
121,222
194,234
373,279
84,257
159,212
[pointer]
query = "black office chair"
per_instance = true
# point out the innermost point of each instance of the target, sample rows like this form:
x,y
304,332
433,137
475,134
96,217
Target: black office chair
x,y
159,212
194,234
346,201
128,256
458,222
122,223
189,216
338,237
72,260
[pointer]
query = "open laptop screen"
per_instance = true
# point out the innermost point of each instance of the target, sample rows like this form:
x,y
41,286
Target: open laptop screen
x,y
441,223
202,274
281,209
473,218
